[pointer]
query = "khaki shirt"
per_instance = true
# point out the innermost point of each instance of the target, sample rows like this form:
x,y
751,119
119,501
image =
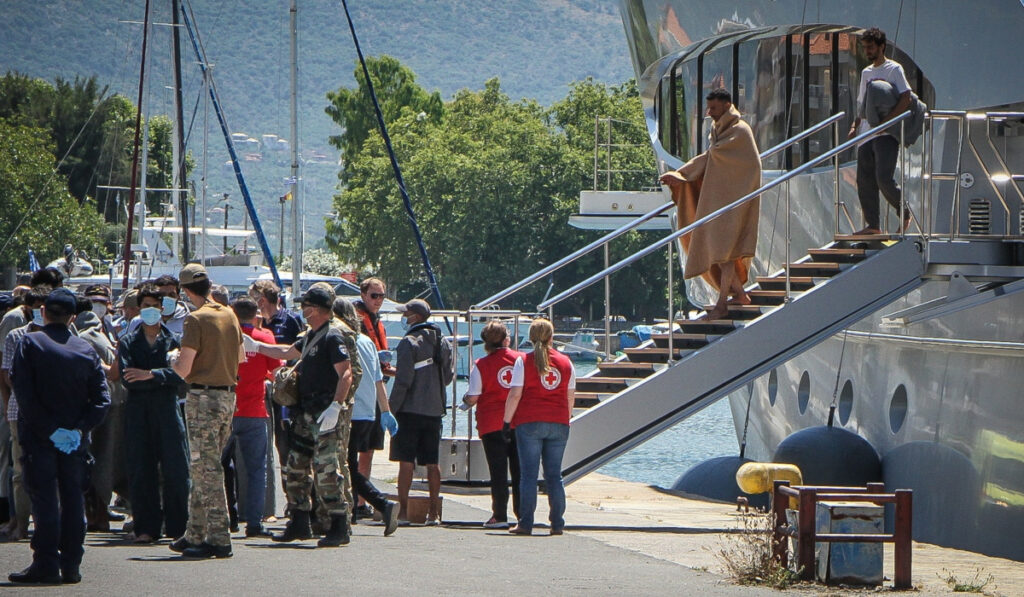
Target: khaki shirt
x,y
213,331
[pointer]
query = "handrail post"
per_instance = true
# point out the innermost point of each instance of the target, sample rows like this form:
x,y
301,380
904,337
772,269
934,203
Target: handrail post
x,y
789,241
607,304
835,172
671,311
455,349
608,154
903,180
780,548
807,532
470,364
597,125
903,534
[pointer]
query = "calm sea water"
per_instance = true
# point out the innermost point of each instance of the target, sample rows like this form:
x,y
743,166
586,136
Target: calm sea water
x,y
663,458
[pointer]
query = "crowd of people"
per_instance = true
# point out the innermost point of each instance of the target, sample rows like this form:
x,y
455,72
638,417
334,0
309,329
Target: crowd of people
x,y
174,402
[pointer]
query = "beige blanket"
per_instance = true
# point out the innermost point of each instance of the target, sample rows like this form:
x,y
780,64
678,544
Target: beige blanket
x,y
728,170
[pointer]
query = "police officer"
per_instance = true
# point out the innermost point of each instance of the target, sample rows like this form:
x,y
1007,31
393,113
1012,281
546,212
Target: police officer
x,y
318,429
56,413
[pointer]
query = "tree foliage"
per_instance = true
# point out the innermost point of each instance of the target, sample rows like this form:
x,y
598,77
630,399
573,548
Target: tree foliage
x,y
37,210
91,134
493,182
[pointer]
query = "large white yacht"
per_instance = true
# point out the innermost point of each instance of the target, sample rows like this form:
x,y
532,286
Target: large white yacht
x,y
931,376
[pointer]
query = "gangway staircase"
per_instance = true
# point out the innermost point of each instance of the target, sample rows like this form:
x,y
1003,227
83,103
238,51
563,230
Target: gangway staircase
x,y
634,399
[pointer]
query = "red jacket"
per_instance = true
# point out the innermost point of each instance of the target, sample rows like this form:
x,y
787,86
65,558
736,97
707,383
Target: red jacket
x,y
250,395
545,399
495,378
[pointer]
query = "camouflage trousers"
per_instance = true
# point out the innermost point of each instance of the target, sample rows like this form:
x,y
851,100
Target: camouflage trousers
x,y
319,459
208,415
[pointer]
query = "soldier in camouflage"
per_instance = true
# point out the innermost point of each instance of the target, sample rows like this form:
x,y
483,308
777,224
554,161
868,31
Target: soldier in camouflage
x,y
319,421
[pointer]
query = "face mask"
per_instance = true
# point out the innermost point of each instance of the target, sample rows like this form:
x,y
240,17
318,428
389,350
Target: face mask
x,y
150,315
169,305
405,324
99,309
37,317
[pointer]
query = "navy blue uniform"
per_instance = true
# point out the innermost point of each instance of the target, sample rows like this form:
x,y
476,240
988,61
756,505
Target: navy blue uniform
x,y
58,383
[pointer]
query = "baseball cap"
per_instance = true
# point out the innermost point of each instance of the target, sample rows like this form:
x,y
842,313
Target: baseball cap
x,y
318,297
192,272
129,299
418,306
62,299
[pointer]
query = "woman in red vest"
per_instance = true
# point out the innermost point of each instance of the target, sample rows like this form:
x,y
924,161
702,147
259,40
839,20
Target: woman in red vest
x,y
489,383
539,406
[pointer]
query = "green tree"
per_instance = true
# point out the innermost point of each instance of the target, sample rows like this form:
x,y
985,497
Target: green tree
x,y
493,182
37,211
397,92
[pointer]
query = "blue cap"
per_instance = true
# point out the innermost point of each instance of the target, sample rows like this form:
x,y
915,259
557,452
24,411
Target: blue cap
x,y
62,299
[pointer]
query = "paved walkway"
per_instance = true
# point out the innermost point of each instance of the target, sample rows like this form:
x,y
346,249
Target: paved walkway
x,y
622,538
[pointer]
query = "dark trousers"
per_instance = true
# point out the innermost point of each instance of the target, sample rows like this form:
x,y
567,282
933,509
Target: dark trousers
x,y
362,486
502,458
876,170
156,450
55,482
108,473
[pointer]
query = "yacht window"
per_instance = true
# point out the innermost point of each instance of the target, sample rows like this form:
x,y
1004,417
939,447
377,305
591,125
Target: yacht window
x,y
773,386
898,409
803,392
846,402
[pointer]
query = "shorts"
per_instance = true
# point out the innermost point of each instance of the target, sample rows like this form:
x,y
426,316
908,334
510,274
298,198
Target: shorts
x,y
418,439
376,441
361,435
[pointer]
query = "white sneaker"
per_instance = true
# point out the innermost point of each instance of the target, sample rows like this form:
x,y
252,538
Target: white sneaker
x,y
494,523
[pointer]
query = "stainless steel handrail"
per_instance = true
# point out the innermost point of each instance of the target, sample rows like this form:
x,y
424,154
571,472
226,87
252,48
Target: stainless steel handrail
x,y
636,222
742,200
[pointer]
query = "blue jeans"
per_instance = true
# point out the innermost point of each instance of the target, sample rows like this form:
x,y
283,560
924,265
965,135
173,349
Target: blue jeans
x,y
537,441
251,435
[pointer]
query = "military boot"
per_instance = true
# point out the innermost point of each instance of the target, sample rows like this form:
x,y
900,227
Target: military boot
x,y
298,528
338,534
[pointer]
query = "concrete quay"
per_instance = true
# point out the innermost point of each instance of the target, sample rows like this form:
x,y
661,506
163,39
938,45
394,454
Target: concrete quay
x,y
621,538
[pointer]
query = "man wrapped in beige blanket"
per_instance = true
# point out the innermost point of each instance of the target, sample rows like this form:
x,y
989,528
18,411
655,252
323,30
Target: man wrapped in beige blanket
x,y
721,249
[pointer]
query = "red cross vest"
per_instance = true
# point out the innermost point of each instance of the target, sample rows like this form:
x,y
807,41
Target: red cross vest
x,y
545,398
495,380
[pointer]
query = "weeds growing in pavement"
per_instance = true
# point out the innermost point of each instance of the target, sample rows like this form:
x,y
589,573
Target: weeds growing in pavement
x,y
974,584
747,554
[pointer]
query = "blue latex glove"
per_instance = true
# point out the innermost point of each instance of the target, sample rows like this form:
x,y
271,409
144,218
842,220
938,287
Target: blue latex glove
x,y
66,440
389,423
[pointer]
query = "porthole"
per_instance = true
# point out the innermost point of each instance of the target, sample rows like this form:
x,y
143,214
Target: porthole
x,y
898,409
846,402
773,386
803,392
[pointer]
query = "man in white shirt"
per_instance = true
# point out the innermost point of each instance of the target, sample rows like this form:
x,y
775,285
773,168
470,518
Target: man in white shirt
x,y
876,157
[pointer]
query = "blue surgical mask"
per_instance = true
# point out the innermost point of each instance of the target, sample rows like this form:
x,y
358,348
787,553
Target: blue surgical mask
x,y
37,317
405,324
169,305
150,315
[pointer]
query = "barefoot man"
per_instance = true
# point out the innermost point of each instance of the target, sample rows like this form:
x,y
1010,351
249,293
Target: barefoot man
x,y
731,168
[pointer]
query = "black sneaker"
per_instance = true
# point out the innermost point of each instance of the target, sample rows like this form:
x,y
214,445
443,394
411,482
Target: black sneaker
x,y
205,551
364,511
390,515
70,577
256,531
29,576
181,544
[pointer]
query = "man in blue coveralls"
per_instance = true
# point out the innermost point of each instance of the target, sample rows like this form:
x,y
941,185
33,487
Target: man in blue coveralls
x,y
55,414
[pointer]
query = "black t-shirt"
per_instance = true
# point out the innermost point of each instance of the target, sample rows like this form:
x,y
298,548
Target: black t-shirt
x,y
318,380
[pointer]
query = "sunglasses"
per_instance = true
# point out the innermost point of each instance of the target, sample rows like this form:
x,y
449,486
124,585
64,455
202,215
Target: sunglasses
x,y
376,295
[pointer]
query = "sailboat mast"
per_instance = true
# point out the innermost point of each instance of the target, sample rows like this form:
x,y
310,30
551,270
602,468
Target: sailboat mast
x,y
297,228
127,257
179,134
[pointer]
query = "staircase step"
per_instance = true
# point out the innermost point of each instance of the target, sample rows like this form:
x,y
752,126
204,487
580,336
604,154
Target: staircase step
x,y
744,312
767,297
627,369
589,399
708,326
652,355
610,385
816,269
779,282
680,340
838,255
